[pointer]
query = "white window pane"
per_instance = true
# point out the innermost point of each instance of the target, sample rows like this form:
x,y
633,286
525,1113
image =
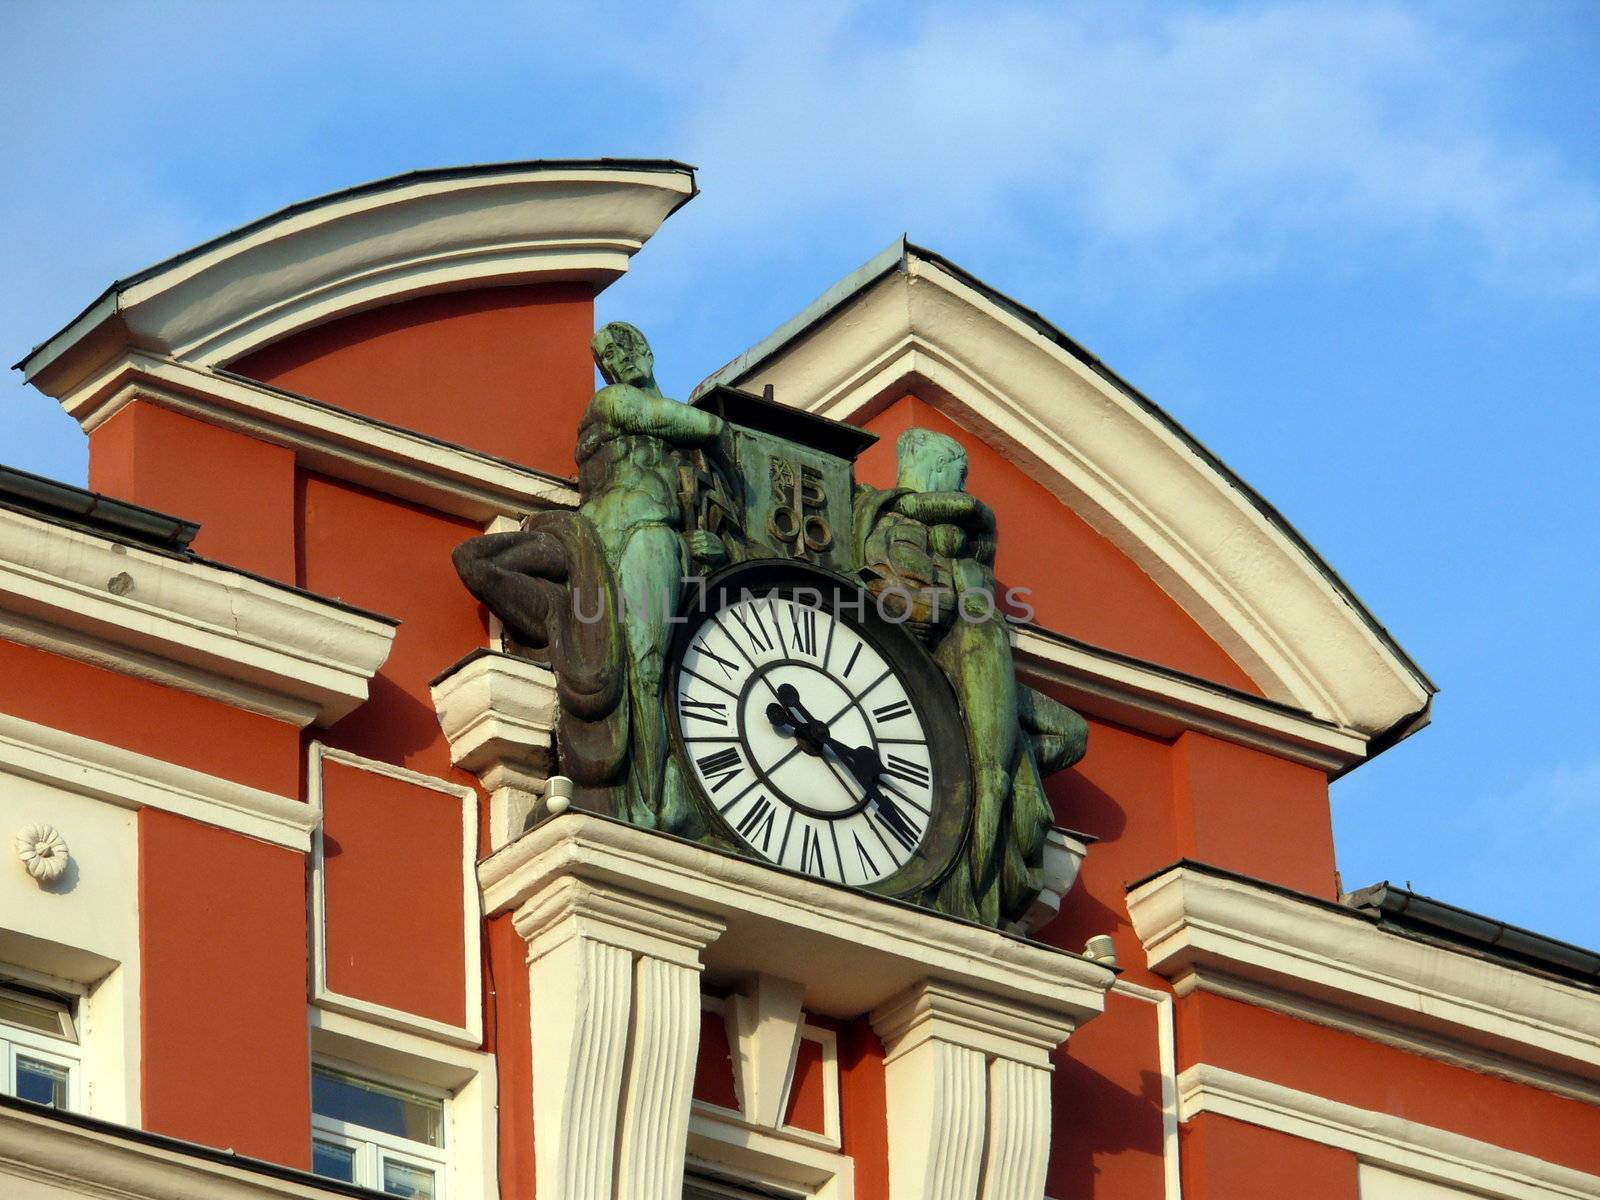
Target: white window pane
x,y
355,1101
333,1161
403,1179
39,1014
41,1082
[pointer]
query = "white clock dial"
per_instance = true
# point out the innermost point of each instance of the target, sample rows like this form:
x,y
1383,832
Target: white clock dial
x,y
805,739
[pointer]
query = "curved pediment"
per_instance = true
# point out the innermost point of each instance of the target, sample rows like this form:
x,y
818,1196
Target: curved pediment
x,y
421,233
911,323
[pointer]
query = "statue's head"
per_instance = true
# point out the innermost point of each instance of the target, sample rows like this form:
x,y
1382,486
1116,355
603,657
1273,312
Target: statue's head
x,y
930,462
622,354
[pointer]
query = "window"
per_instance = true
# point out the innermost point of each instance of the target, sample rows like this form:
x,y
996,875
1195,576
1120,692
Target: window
x,y
38,1048
706,1187
387,1138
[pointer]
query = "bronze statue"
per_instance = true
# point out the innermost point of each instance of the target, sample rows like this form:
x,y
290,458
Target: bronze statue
x,y
632,444
927,547
668,492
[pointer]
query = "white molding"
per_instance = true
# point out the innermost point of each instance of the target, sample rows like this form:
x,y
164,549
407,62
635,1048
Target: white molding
x,y
498,712
469,1034
615,982
826,1040
44,1157
127,779
1123,467
595,892
324,438
1146,697
740,1153
1167,1065
967,1082
1379,1137
373,245
195,626
1326,963
852,950
763,1018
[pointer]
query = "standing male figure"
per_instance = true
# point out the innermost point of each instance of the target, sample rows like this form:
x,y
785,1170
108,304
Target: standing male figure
x,y
631,453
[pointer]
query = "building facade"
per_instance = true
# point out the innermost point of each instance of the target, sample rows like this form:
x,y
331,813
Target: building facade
x,y
293,910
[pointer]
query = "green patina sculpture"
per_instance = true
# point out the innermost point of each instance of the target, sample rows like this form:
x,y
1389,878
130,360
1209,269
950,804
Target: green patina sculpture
x,y
932,543
631,460
668,492
632,455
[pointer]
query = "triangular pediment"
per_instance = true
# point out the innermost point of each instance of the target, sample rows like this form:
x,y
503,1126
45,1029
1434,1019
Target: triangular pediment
x,y
910,324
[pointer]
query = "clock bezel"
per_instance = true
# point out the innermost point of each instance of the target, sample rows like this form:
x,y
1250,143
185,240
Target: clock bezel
x,y
925,685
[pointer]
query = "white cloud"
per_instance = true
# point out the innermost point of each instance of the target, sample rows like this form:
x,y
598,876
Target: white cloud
x,y
1194,144
1561,807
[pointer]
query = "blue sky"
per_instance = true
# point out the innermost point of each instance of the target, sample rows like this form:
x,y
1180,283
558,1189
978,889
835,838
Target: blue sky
x,y
1355,247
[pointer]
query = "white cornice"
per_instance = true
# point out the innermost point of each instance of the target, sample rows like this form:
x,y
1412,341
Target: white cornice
x,y
1380,1137
1333,966
44,1156
429,232
186,623
326,439
1116,461
851,950
128,779
1147,697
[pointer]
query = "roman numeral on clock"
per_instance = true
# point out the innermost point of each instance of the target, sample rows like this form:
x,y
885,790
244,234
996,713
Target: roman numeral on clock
x,y
811,853
757,822
866,859
729,668
891,712
762,640
803,621
714,711
892,819
911,772
720,766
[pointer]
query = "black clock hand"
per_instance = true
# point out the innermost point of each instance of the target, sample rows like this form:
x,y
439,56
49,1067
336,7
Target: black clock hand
x,y
862,761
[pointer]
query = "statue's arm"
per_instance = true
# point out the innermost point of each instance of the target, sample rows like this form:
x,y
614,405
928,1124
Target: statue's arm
x,y
948,508
630,410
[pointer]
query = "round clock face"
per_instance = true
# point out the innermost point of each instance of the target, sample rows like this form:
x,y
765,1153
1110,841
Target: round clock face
x,y
823,738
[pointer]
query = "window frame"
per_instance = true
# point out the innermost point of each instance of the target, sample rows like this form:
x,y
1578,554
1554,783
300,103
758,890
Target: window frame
x,y
64,1050
375,1147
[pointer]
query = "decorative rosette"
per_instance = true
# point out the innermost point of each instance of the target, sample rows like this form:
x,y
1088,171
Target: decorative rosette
x,y
43,852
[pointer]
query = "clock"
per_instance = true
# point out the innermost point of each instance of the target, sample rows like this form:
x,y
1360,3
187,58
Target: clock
x,y
818,736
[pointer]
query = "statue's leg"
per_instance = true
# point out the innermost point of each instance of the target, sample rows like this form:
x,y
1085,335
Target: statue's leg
x,y
649,572
977,658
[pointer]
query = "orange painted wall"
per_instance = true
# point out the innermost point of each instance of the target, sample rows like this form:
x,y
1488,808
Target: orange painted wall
x,y
378,552
1081,584
863,1124
713,1066
509,1037
1229,1160
1254,813
502,370
1341,1066
807,1105
240,489
225,1059
1120,793
150,718
394,891
1106,1105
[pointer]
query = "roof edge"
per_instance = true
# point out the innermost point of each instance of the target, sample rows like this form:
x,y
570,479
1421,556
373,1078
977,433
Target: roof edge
x,y
112,302
904,255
